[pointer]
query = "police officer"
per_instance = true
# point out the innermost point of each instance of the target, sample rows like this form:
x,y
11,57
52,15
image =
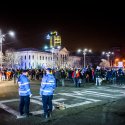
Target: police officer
x,y
48,85
24,93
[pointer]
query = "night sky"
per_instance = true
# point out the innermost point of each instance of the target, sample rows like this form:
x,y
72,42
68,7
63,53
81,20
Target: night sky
x,y
79,28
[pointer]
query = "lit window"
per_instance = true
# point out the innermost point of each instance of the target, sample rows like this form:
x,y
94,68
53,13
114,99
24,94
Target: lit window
x,y
29,65
25,65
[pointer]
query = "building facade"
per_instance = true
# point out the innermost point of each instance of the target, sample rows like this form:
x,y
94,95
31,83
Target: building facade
x,y
32,58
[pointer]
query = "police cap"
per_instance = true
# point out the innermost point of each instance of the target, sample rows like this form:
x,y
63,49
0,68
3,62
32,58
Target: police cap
x,y
49,69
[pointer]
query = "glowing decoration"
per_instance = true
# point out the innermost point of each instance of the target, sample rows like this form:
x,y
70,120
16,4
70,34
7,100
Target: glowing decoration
x,y
55,39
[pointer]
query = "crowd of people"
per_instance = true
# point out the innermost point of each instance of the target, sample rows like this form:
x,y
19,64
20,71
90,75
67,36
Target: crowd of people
x,y
76,75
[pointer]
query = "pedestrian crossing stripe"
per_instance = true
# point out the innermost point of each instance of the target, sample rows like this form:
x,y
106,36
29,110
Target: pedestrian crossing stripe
x,y
110,90
79,97
78,104
101,94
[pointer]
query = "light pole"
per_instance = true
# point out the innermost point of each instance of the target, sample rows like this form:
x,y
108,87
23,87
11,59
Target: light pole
x,y
52,57
54,50
46,48
84,53
57,54
108,54
2,37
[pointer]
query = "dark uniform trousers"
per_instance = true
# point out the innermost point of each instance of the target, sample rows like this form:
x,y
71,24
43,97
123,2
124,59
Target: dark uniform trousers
x,y
24,102
47,104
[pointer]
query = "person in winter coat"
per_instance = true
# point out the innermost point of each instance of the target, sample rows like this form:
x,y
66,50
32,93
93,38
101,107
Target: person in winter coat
x,y
24,93
63,76
57,77
48,85
98,77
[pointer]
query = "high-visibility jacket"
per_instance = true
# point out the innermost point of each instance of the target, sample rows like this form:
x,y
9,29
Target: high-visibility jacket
x,y
24,85
48,85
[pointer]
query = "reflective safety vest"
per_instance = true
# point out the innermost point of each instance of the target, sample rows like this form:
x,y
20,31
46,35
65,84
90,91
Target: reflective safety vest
x,y
48,85
24,85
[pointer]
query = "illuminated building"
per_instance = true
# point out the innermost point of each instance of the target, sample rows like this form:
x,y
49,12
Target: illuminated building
x,y
30,58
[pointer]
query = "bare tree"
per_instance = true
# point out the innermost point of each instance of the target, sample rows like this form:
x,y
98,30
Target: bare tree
x,y
18,61
2,60
9,58
104,63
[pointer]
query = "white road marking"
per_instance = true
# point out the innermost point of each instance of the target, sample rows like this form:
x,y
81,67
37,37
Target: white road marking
x,y
10,110
56,101
37,112
35,101
76,96
60,99
99,94
34,113
35,97
10,100
78,104
109,90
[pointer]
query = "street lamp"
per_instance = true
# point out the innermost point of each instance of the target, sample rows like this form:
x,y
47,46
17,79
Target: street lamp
x,y
45,47
52,50
108,54
2,37
84,53
11,33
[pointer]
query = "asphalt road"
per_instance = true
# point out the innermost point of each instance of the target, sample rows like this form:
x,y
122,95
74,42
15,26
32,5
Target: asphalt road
x,y
88,105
